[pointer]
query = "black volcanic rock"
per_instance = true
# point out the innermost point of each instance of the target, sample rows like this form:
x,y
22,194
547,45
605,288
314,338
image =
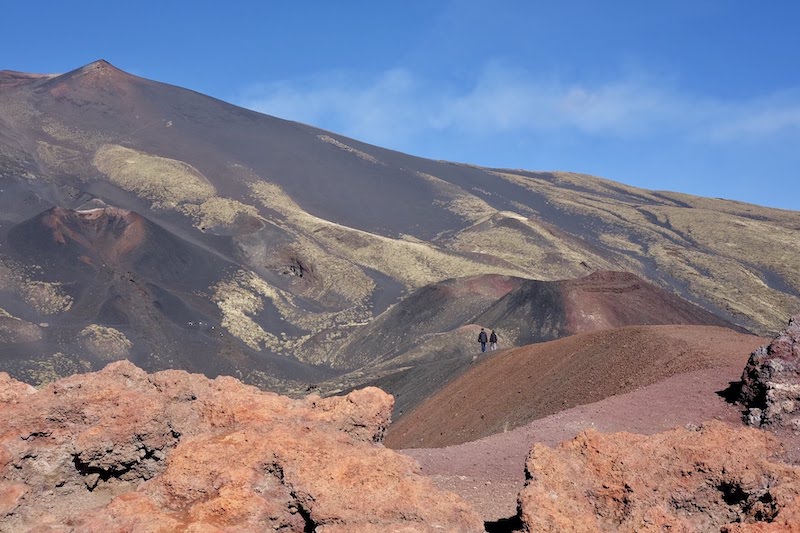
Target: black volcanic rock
x,y
771,381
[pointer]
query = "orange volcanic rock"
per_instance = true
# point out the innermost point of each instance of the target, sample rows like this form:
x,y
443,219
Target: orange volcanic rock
x,y
121,449
715,478
12,391
771,381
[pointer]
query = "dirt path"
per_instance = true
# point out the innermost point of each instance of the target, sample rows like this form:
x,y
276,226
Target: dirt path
x,y
489,472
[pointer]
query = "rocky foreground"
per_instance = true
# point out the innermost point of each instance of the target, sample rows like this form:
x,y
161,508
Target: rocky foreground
x,y
771,382
124,450
713,478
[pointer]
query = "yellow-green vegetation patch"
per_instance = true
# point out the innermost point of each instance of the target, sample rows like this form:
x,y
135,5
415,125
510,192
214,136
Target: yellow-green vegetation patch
x,y
6,314
529,246
335,278
217,211
72,135
284,386
457,200
165,182
782,217
600,186
53,368
413,263
14,330
105,343
621,242
47,298
763,242
347,148
60,158
730,249
243,297
239,299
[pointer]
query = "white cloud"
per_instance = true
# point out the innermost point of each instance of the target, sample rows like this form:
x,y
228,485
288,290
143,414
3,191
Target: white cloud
x,y
502,101
764,118
378,111
396,107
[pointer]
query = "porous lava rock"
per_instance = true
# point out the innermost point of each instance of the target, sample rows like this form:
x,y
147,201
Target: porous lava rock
x,y
771,382
712,478
122,449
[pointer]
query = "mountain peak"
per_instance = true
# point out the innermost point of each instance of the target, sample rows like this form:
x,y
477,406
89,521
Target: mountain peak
x,y
100,66
98,74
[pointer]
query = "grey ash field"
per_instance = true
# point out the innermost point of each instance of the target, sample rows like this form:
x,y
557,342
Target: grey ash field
x,y
144,221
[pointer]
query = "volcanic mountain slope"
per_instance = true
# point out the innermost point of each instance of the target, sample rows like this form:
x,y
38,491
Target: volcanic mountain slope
x,y
430,337
320,233
134,291
516,386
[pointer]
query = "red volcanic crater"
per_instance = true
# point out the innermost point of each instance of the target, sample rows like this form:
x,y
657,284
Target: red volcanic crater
x,y
537,311
108,233
68,240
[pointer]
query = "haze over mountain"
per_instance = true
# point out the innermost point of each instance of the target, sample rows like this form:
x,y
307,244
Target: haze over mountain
x,y
145,221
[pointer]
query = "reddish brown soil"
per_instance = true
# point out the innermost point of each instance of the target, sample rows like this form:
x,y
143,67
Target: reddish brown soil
x,y
695,364
607,299
517,386
489,473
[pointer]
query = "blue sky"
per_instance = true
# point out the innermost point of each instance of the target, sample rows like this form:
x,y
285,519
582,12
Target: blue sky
x,y
695,96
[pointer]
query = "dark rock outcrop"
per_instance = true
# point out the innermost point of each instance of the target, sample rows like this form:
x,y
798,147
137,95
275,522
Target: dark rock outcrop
x,y
771,382
121,449
715,478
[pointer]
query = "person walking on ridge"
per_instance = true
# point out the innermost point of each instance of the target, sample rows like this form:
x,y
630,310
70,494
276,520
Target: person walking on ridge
x,y
482,339
493,341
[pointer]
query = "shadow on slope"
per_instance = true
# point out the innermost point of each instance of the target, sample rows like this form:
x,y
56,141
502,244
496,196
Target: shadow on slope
x,y
433,309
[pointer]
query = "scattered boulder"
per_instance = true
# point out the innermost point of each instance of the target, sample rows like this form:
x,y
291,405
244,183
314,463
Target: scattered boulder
x,y
771,382
121,449
712,478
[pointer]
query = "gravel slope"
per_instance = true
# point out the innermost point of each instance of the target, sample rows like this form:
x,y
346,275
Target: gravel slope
x,y
489,472
509,389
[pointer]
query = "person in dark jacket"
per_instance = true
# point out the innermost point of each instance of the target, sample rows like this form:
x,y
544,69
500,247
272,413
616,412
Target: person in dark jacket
x,y
482,339
493,341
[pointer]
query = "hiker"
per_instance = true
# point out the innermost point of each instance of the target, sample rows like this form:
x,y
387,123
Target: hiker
x,y
493,341
482,339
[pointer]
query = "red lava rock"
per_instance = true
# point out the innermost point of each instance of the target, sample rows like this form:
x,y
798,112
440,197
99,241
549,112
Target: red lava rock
x,y
12,391
712,478
121,449
771,382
